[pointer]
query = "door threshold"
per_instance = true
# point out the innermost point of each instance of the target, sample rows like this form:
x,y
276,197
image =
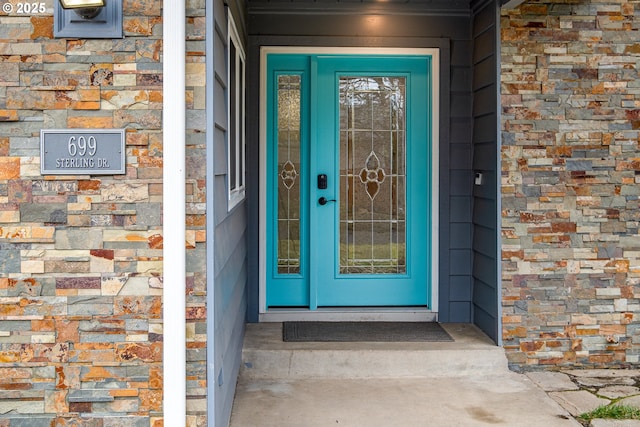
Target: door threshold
x,y
342,314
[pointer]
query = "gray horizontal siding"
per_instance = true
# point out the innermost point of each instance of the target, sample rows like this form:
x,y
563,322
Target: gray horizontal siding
x,y
485,162
484,154
460,209
229,337
485,125
227,235
482,101
292,21
484,72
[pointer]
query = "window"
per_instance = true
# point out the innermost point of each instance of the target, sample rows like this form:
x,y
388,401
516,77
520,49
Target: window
x,y
236,116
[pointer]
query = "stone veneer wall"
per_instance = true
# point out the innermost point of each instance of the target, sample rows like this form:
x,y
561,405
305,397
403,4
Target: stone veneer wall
x,y
81,256
196,174
571,183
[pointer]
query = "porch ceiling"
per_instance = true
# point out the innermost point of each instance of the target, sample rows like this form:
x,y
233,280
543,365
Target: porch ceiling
x,y
426,7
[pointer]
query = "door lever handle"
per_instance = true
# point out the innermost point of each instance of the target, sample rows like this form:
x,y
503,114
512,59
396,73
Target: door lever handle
x,y
323,200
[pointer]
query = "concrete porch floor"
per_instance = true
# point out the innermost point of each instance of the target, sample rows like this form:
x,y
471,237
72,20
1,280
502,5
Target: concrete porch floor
x,y
461,383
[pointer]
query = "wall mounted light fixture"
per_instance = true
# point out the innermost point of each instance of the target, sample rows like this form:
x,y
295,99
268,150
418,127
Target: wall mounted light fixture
x,y
86,9
87,19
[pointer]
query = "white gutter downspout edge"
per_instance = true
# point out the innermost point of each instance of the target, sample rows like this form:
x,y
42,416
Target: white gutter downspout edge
x,y
174,214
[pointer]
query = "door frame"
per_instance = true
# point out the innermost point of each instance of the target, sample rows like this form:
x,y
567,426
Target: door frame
x,y
347,313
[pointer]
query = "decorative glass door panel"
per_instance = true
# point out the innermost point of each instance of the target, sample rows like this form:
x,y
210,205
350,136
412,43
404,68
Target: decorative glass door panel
x,y
372,175
287,181
289,168
348,191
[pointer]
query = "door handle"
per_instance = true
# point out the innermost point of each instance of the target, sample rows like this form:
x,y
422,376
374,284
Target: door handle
x,y
323,200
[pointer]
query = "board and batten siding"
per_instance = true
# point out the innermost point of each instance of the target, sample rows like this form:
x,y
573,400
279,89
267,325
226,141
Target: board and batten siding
x,y
485,162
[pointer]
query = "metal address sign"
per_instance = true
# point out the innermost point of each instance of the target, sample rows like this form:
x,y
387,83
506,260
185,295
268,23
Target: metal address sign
x,y
82,152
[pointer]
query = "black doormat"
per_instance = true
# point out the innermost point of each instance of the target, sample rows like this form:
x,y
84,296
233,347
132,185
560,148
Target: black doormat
x,y
364,331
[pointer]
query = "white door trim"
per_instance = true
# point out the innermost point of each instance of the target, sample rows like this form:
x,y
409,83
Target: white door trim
x,y
410,313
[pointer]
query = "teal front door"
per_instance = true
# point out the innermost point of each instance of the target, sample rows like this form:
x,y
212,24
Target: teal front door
x,y
348,168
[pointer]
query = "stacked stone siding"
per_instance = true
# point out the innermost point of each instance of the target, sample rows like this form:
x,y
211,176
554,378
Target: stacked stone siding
x,y
196,174
81,256
571,183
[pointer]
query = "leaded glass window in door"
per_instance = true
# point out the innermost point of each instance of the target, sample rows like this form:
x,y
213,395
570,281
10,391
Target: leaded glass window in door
x,y
289,169
372,129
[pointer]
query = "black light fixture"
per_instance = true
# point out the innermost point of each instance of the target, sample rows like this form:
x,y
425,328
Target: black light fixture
x,y
86,9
